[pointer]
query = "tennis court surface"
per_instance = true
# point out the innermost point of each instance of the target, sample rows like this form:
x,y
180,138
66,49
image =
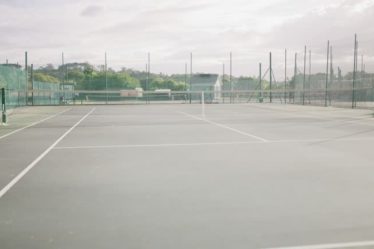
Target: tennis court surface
x,y
177,176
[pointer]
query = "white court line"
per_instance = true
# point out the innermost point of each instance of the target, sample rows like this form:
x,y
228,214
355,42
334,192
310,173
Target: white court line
x,y
331,246
315,114
32,124
225,127
118,146
151,145
31,165
204,143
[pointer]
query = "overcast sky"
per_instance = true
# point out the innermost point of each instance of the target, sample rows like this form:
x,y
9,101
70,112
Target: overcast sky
x,y
171,29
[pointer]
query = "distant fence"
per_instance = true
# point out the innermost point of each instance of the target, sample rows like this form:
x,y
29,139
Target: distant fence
x,y
316,90
343,97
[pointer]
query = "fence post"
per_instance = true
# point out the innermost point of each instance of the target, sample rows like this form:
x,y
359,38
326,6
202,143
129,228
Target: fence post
x,y
327,71
32,84
203,104
26,79
354,73
304,75
271,77
285,76
3,106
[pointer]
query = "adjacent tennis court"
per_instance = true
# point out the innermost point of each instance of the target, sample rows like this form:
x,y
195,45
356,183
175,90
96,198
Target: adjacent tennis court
x,y
187,176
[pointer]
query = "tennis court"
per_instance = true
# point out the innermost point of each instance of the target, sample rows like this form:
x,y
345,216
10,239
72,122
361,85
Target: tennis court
x,y
187,176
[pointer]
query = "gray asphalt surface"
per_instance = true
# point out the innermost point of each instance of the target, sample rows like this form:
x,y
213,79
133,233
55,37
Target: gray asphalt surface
x,y
246,176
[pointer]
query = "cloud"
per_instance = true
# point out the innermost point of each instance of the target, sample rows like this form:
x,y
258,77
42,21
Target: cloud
x,y
171,29
92,11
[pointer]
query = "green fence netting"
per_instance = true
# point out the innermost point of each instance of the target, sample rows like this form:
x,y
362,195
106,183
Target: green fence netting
x,y
13,79
45,93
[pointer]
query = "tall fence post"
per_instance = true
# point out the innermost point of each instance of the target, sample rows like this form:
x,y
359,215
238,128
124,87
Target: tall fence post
x,y
309,76
106,80
354,72
292,94
285,76
3,106
327,71
304,75
223,82
203,104
271,78
32,84
190,78
149,77
260,82
26,79
231,87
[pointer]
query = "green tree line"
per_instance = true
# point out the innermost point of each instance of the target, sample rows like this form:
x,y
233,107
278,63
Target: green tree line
x,y
87,77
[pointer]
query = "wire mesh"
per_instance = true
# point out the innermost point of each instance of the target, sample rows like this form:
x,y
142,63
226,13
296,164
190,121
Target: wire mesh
x,y
13,79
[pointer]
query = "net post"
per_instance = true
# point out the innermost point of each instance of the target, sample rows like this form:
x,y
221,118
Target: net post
x,y
3,106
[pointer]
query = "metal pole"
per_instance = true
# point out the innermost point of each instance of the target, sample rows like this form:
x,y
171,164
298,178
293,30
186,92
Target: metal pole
x,y
19,87
231,87
106,79
27,78
202,104
63,76
331,74
149,75
285,76
294,80
327,71
185,76
3,106
310,74
190,77
146,78
32,84
354,72
362,64
271,77
362,69
67,72
223,81
304,75
62,70
260,82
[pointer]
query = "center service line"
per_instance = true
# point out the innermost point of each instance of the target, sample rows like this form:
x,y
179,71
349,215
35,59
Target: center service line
x,y
225,127
31,165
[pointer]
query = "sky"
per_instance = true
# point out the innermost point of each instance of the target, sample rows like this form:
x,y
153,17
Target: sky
x,y
171,29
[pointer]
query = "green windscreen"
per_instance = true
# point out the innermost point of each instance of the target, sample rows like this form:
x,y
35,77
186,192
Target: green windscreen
x,y
13,79
45,93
